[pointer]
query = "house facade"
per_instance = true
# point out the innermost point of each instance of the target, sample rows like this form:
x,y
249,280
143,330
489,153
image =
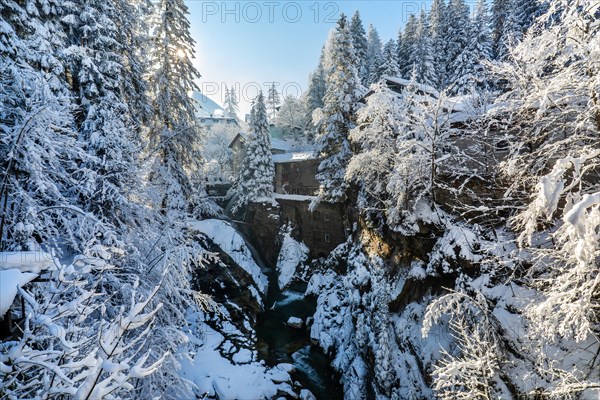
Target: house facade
x,y
295,185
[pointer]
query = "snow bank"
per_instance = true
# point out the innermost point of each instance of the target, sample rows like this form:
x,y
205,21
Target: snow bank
x,y
291,255
10,279
229,240
216,376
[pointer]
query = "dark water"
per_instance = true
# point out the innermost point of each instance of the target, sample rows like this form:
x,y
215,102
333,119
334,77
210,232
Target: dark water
x,y
278,343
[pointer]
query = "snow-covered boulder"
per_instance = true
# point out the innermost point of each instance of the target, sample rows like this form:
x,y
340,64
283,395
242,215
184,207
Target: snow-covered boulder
x,y
306,394
295,322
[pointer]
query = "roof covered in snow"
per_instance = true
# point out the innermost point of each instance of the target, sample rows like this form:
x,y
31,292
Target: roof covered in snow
x,y
280,144
205,107
401,83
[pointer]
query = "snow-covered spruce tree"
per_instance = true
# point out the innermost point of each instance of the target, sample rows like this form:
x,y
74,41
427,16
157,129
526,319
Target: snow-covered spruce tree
x,y
359,40
338,113
459,30
500,11
231,103
273,101
520,17
437,28
389,66
374,54
96,56
527,11
255,183
40,154
468,71
173,136
406,46
422,56
315,94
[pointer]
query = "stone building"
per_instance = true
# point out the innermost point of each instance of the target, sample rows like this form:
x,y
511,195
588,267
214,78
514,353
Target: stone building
x,y
295,186
295,173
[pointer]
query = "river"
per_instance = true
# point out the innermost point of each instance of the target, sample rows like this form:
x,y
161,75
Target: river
x,y
279,343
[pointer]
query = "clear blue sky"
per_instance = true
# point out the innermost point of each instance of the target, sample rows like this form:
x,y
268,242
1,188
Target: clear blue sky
x,y
248,44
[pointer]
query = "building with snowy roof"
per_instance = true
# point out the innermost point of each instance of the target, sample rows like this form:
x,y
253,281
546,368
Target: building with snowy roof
x,y
208,113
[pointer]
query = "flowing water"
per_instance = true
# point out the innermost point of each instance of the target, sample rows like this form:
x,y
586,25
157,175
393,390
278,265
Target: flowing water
x,y
279,343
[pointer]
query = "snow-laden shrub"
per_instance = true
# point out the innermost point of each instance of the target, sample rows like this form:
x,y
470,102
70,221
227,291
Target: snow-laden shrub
x,y
79,339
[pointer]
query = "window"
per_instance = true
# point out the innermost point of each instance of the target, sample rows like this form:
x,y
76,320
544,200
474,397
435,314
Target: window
x,y
317,215
327,238
326,216
502,146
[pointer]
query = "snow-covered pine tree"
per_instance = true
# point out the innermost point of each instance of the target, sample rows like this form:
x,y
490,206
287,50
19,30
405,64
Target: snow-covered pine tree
x,y
359,40
407,44
422,57
231,103
38,146
468,70
273,102
338,113
374,55
389,66
500,11
437,28
315,95
100,65
255,183
526,12
226,97
174,133
459,30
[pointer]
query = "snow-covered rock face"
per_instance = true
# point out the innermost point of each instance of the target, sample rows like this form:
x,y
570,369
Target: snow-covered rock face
x,y
291,256
223,235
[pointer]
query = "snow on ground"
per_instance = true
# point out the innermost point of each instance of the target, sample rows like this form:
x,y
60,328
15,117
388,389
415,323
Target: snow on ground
x,y
226,237
240,378
291,255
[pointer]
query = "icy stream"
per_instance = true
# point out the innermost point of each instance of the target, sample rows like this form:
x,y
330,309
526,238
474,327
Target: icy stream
x,y
279,343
